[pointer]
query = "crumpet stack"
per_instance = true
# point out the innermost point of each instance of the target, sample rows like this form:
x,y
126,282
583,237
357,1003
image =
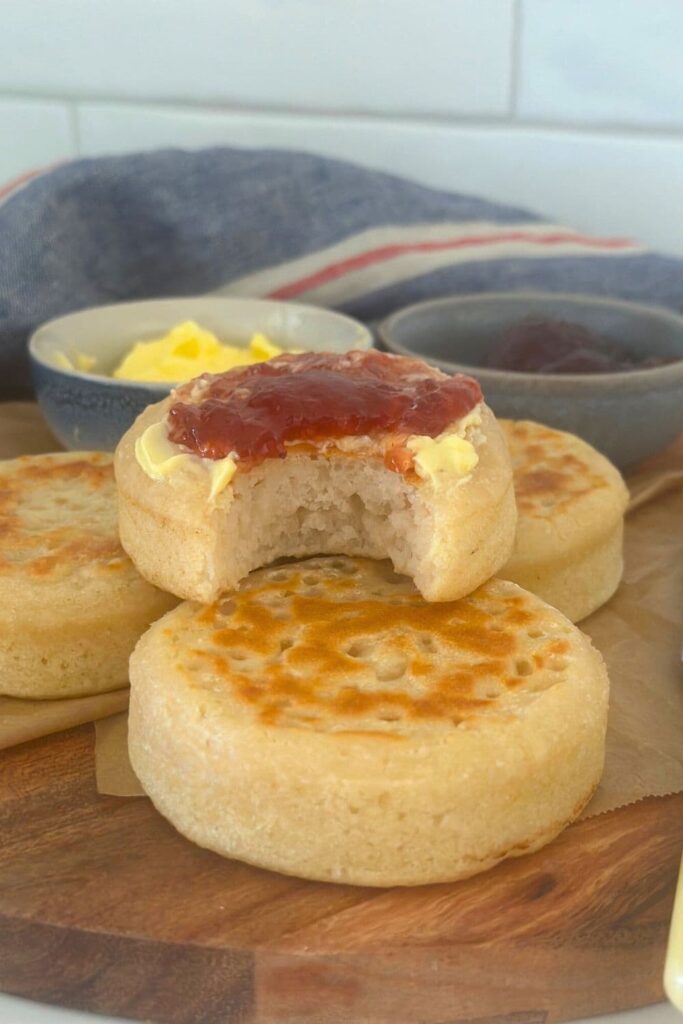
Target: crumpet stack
x,y
329,718
72,605
571,502
324,721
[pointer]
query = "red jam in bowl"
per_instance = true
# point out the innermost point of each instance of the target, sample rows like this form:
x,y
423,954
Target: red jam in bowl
x,y
539,345
254,410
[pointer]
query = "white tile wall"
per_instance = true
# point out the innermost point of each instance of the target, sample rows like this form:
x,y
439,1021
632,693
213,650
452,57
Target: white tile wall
x,y
602,62
33,134
571,107
435,56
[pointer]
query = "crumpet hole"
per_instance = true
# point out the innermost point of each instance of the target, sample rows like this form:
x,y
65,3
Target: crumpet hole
x,y
389,575
523,667
359,649
348,568
392,669
237,655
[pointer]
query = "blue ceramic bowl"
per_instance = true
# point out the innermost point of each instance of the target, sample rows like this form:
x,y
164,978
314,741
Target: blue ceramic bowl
x,y
92,410
628,416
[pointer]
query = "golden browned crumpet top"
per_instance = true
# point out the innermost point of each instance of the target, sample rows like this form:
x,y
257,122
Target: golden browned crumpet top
x,y
339,644
58,517
555,471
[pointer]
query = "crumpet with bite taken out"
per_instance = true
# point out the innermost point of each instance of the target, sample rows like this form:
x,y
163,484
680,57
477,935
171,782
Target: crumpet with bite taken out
x,y
360,454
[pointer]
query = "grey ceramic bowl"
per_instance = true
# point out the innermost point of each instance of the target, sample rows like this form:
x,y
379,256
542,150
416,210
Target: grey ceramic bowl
x,y
92,410
628,416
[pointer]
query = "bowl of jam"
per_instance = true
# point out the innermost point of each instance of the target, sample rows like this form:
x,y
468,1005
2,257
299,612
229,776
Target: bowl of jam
x,y
94,371
607,370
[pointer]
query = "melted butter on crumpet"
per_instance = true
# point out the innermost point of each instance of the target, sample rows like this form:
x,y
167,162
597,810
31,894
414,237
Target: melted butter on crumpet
x,y
450,453
160,459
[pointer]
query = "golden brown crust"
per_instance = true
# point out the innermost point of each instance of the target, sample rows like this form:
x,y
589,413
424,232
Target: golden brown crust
x,y
571,503
322,721
347,644
553,470
72,605
58,513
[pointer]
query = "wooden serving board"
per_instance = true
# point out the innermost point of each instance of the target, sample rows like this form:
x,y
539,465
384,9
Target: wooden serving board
x,y
104,907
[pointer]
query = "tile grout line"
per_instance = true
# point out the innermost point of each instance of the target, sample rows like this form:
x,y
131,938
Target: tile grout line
x,y
515,58
424,120
623,133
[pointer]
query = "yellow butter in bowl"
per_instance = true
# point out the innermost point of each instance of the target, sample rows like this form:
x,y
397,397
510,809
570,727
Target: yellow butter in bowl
x,y
80,362
188,350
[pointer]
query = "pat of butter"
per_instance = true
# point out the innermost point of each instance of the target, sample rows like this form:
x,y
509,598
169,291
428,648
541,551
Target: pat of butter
x,y
262,348
159,458
433,456
156,455
222,471
81,362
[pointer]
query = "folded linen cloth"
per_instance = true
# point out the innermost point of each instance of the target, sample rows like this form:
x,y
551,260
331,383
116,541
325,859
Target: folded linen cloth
x,y
280,224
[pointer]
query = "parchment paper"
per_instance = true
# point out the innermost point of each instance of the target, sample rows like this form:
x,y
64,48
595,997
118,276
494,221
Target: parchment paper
x,y
22,720
640,635
113,772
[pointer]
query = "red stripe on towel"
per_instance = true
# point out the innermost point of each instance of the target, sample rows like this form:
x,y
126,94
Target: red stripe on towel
x,y
389,252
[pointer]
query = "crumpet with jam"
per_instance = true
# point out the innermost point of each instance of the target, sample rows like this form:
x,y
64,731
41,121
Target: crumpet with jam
x,y
360,454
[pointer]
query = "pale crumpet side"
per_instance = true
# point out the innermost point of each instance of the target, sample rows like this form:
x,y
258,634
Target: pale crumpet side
x,y
325,721
441,508
571,502
72,605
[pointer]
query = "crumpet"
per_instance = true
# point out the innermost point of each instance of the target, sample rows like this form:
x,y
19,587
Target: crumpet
x,y
362,477
72,605
571,502
325,721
